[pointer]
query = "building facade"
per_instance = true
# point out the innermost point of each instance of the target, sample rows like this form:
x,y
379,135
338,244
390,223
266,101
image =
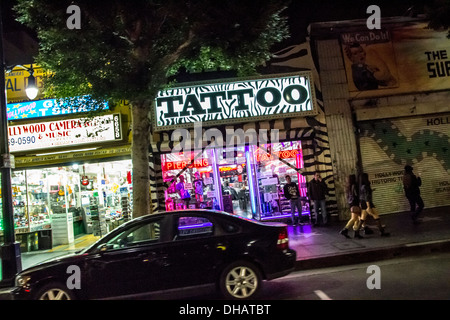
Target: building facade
x,y
72,172
386,101
237,159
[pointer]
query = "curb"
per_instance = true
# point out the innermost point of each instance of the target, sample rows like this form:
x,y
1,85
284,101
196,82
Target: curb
x,y
356,257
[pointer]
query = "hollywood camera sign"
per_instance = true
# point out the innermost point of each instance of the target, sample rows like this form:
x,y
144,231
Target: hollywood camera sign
x,y
235,101
66,132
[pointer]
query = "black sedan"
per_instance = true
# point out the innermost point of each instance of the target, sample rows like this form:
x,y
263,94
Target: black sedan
x,y
164,251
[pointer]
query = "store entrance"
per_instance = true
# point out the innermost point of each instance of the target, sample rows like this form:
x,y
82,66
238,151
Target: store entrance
x,y
242,180
234,182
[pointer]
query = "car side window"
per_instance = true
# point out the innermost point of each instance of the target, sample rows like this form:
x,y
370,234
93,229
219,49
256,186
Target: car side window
x,y
193,227
141,234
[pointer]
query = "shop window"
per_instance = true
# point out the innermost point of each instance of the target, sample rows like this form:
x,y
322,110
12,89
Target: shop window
x,y
273,163
242,180
97,196
191,179
192,227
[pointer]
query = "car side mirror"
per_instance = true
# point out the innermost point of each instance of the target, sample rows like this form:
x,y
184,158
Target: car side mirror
x,y
105,247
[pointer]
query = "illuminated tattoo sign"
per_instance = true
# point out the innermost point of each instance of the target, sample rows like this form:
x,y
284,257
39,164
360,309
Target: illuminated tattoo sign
x,y
235,101
284,154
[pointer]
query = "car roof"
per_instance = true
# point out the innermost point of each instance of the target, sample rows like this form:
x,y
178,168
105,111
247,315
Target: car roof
x,y
194,212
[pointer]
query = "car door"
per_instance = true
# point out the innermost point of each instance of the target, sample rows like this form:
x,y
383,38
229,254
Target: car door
x,y
197,248
130,262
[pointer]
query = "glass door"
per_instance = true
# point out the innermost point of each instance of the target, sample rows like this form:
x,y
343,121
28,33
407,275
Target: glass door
x,y
232,168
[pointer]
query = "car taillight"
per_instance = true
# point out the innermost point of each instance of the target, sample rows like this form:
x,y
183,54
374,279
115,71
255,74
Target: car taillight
x,y
283,239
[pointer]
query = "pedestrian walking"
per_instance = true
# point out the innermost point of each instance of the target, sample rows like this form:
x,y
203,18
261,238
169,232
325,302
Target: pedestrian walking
x,y
352,195
317,190
411,185
367,206
292,193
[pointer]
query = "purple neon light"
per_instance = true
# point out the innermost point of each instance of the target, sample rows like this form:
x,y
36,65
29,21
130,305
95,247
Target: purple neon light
x,y
193,226
285,215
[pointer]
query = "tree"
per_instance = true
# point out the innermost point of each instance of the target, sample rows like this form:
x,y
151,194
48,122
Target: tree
x,y
127,49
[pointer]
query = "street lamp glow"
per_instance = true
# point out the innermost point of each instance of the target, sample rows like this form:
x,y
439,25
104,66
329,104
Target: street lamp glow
x,y
31,90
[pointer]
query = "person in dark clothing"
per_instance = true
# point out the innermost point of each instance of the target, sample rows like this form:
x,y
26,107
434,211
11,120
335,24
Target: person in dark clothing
x,y
317,190
367,206
292,193
411,185
352,195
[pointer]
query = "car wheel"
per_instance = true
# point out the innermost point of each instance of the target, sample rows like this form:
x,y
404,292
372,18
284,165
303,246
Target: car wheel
x,y
240,280
54,291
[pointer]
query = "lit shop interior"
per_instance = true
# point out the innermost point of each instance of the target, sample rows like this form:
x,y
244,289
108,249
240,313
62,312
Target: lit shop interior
x,y
98,196
243,180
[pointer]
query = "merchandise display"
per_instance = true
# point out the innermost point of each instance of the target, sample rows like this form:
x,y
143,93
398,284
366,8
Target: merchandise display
x,y
242,180
43,195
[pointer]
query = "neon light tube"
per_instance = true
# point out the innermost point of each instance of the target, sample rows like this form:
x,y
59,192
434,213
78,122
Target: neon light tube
x,y
251,182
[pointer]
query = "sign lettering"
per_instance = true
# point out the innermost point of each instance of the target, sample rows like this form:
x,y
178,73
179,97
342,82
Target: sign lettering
x,y
61,133
235,101
45,108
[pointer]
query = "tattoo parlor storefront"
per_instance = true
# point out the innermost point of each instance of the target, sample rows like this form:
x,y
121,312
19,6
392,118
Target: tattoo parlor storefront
x,y
229,145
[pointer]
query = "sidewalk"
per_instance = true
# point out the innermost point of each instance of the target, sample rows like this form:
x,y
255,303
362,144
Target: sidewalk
x,y
31,258
320,247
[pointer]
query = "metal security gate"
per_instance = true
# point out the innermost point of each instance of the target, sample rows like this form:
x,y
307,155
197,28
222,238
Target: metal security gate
x,y
421,141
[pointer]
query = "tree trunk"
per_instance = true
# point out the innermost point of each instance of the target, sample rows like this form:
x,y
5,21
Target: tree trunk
x,y
140,146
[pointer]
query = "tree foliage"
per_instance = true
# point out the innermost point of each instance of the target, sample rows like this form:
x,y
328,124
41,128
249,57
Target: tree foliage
x,y
127,49
438,13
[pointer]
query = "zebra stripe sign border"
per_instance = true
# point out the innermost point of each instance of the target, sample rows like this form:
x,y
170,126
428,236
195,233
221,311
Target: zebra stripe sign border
x,y
235,100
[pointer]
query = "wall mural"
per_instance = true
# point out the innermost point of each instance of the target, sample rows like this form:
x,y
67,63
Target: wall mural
x,y
423,142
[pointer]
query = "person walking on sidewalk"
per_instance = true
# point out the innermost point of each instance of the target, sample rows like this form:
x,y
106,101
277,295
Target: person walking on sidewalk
x,y
411,185
317,190
352,194
367,206
292,193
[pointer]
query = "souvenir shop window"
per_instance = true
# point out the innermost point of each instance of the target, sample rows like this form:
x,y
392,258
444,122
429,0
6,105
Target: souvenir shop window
x,y
38,199
19,199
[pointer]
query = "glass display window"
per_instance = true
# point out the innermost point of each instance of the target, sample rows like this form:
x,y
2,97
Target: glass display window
x,y
191,180
19,198
107,185
38,199
274,162
40,193
242,180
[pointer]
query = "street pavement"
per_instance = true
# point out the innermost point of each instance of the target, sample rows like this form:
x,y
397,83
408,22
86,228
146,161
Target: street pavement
x,y
323,246
320,247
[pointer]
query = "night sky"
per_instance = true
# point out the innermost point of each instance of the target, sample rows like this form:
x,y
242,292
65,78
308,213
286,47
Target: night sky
x,y
300,14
